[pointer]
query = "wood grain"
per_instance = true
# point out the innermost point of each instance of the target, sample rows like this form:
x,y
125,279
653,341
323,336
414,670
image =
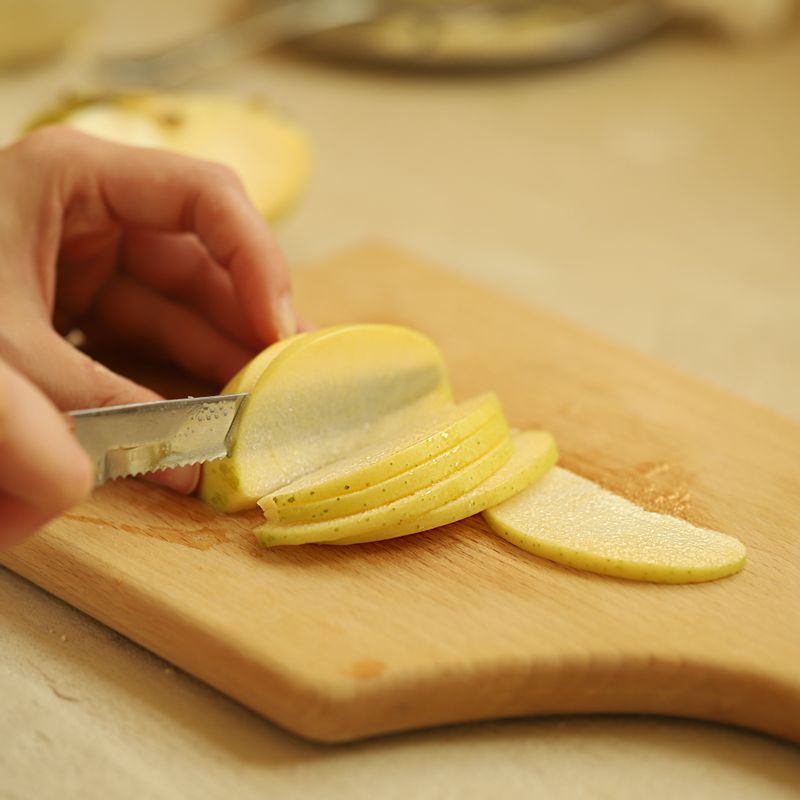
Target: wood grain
x,y
456,624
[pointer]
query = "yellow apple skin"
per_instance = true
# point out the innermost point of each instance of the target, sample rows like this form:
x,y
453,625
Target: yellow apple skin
x,y
572,521
247,377
430,436
407,508
324,396
435,469
535,452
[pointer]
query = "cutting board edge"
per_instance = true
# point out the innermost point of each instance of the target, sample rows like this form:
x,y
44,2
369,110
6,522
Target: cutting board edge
x,y
347,708
119,607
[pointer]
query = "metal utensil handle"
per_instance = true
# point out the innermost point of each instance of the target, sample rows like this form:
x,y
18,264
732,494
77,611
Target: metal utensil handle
x,y
271,25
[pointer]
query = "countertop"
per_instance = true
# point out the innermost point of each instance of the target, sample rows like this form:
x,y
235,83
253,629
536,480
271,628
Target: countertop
x,y
653,195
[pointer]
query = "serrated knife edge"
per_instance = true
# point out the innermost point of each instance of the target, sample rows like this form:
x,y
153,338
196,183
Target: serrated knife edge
x,y
145,437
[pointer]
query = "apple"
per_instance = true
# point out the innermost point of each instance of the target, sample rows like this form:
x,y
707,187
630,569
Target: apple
x,y
324,396
247,377
405,509
533,455
429,437
270,154
398,480
572,521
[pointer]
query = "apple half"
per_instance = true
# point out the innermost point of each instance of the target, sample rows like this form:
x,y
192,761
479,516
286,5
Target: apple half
x,y
323,396
269,153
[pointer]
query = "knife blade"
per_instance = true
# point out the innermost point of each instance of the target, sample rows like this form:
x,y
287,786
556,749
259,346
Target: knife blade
x,y
146,437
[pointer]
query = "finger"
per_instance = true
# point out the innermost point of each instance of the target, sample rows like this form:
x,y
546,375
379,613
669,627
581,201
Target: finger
x,y
41,463
84,265
141,317
19,519
179,267
145,188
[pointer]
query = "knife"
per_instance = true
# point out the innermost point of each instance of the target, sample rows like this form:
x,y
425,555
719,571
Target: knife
x,y
145,437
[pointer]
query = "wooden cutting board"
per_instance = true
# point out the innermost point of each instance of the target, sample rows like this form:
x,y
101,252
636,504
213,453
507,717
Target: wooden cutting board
x,y
456,624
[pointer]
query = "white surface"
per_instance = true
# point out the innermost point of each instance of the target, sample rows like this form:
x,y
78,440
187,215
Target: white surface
x,y
654,196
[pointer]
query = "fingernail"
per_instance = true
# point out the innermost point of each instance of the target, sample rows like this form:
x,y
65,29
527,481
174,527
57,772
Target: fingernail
x,y
285,318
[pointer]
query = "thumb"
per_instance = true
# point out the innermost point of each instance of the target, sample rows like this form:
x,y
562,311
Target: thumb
x,y
73,380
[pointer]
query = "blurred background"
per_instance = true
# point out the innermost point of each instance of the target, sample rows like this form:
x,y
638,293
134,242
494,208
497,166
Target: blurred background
x,y
651,192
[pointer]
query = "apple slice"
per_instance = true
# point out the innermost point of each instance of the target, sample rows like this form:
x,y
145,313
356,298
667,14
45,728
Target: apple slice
x,y
426,438
436,469
270,154
322,397
407,508
572,521
433,435
534,453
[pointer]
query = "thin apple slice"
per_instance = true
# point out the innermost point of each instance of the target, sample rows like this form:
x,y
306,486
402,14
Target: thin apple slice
x,y
437,469
570,520
407,508
535,452
425,438
392,456
323,397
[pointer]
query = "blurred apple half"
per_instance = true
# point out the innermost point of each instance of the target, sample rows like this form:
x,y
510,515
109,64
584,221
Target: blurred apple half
x,y
269,153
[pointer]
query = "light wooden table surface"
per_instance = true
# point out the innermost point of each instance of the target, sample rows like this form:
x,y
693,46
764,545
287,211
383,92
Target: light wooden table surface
x,y
653,196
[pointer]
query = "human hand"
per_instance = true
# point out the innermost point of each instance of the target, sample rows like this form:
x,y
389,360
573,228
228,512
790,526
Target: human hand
x,y
137,248
43,470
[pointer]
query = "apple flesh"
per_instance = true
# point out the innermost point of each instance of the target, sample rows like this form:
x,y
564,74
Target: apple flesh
x,y
572,521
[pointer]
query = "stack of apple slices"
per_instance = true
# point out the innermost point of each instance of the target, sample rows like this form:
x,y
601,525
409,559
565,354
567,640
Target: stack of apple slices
x,y
498,474
350,435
